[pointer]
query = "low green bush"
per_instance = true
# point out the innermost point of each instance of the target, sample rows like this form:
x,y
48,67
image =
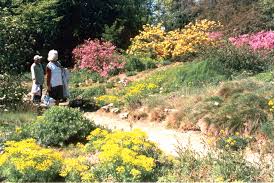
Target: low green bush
x,y
93,92
231,166
268,129
88,93
11,92
80,76
59,126
138,64
231,60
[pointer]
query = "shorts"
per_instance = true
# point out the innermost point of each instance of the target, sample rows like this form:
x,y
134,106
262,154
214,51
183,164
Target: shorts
x,y
56,92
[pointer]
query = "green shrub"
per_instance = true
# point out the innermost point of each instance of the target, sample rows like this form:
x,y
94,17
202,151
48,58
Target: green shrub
x,y
60,125
268,129
231,60
265,76
131,73
231,166
93,92
138,64
134,64
11,92
80,76
232,142
75,93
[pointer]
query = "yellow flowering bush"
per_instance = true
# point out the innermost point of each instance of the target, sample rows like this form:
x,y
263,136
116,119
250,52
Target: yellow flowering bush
x,y
25,161
271,104
179,42
149,42
140,89
76,170
107,99
125,156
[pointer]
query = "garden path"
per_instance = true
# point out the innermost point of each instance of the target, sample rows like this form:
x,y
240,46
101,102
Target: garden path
x,y
167,139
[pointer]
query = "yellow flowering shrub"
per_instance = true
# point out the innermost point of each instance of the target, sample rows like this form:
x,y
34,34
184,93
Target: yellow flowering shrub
x,y
76,170
107,99
149,42
125,156
179,42
271,104
26,161
140,89
194,35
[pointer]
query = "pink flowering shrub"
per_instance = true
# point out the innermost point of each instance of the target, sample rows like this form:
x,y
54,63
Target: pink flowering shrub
x,y
97,56
257,41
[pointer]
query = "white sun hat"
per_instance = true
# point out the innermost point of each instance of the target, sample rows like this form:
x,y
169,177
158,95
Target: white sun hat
x,y
37,57
52,55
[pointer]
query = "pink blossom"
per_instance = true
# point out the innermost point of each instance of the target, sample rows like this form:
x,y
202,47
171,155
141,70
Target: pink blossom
x,y
257,41
100,57
215,35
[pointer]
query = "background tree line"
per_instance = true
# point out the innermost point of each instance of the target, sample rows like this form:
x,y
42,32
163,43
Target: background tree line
x,y
28,27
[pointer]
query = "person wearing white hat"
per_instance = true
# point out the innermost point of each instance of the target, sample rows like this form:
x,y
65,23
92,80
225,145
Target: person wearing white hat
x,y
37,77
54,77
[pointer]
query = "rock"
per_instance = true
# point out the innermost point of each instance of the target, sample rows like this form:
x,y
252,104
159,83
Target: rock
x,y
110,105
123,115
170,110
203,125
115,110
106,108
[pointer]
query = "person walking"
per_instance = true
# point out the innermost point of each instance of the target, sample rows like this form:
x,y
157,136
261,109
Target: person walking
x,y
54,77
37,73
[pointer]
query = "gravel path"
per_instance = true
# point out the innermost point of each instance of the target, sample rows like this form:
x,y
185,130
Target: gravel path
x,y
168,140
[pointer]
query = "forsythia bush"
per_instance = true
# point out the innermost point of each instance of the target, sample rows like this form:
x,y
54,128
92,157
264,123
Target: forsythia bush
x,y
123,156
97,56
161,44
25,161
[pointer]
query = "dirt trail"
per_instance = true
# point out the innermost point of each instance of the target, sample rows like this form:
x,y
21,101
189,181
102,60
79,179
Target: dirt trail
x,y
167,139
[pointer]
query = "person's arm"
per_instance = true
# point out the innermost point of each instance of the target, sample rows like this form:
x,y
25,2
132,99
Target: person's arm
x,y
33,73
49,75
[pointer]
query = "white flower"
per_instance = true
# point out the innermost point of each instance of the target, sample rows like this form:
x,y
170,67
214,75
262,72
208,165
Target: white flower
x,y
216,103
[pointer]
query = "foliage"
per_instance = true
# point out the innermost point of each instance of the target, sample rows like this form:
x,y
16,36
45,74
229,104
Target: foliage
x,y
134,63
60,125
232,142
268,129
78,77
97,56
232,60
11,92
124,156
239,16
231,166
26,26
25,161
153,40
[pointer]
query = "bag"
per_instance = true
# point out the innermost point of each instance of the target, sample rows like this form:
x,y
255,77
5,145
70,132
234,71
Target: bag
x,y
48,101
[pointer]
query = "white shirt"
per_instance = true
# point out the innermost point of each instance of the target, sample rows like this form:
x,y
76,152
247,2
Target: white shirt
x,y
56,77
